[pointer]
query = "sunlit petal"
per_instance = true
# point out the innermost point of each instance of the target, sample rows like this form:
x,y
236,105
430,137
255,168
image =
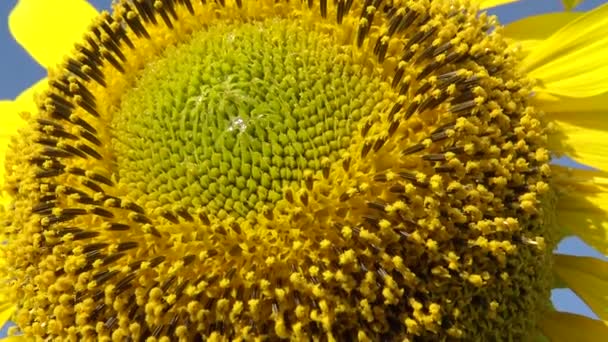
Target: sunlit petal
x,y
47,30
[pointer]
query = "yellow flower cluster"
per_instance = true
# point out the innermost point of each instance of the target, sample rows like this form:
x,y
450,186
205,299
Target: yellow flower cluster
x,y
325,170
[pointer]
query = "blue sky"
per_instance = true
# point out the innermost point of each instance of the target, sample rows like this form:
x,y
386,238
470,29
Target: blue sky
x,y
18,71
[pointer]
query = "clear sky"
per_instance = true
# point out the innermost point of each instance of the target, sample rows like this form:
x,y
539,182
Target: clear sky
x,y
18,71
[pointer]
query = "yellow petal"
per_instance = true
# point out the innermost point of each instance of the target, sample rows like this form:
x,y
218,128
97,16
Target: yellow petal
x,y
49,29
572,61
6,311
483,4
570,4
583,137
567,327
588,278
6,307
8,111
582,208
529,32
582,126
570,106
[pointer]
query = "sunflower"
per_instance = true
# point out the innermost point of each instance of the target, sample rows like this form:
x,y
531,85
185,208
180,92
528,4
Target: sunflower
x,y
305,170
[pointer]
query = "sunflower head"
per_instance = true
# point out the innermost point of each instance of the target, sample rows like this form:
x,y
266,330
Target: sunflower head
x,y
332,170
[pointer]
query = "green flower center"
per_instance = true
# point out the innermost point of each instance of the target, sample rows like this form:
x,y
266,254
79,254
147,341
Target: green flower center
x,y
231,118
